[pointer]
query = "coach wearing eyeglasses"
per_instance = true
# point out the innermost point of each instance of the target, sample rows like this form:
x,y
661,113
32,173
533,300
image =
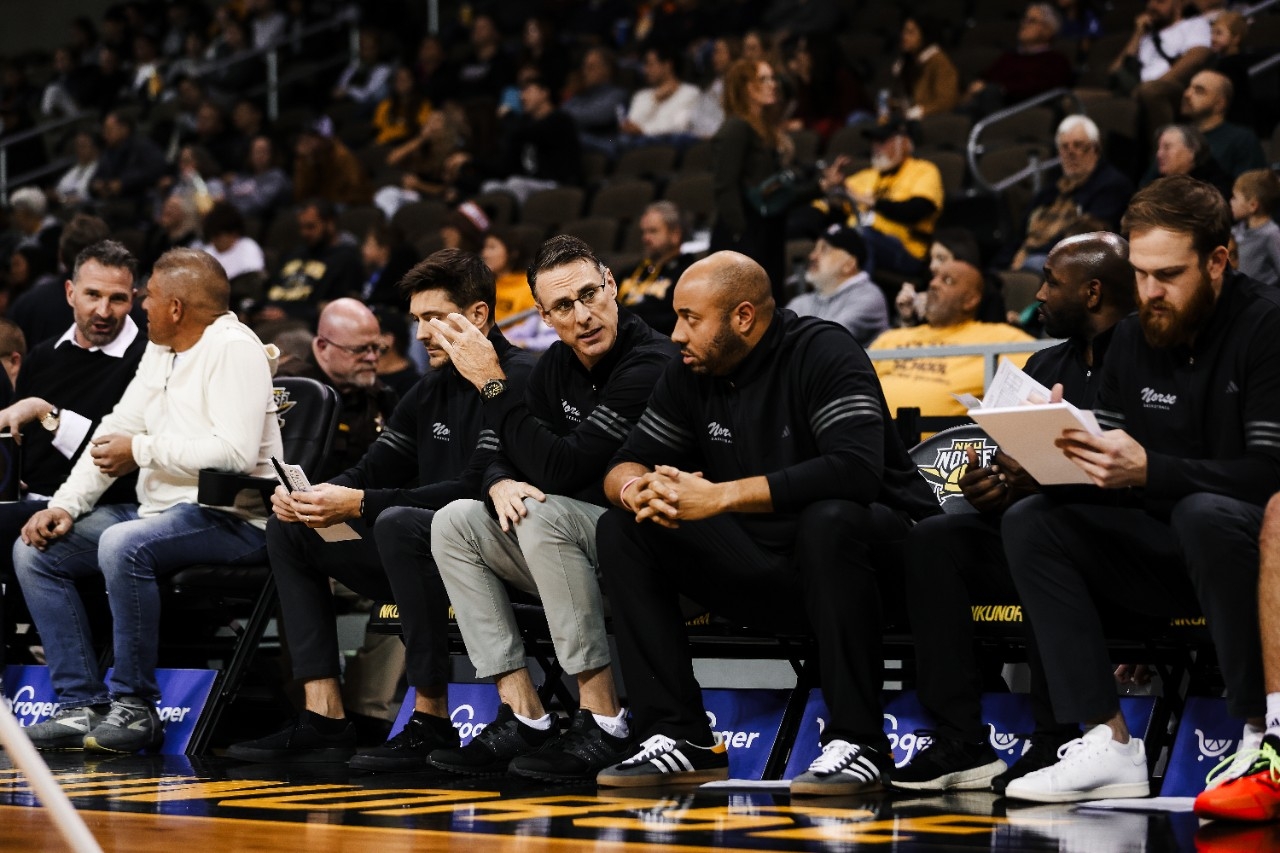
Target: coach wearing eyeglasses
x,y
344,354
535,529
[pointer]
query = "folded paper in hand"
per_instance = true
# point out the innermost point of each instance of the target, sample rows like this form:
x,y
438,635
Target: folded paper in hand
x,y
295,479
1018,416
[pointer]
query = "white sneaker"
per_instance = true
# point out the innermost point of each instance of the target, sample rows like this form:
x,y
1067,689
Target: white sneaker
x,y
1092,767
1241,764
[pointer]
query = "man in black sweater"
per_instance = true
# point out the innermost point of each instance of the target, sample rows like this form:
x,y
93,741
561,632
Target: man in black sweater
x,y
955,558
803,493
434,450
66,385
535,529
1190,405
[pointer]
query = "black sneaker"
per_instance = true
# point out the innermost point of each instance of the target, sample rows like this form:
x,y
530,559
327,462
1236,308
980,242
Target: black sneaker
x,y
1043,753
300,742
843,769
409,750
66,729
132,725
663,761
950,764
490,752
578,754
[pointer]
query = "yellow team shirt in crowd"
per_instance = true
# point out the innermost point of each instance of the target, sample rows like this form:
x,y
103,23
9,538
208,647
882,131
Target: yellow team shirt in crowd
x,y
513,295
928,383
914,179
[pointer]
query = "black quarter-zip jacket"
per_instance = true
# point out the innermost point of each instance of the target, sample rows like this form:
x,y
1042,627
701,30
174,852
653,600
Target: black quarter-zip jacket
x,y
435,448
1208,414
560,434
804,409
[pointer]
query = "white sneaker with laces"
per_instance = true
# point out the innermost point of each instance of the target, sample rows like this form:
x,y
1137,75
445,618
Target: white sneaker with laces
x,y
1092,767
1242,762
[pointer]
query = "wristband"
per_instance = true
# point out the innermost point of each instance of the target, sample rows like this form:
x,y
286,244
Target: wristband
x,y
622,499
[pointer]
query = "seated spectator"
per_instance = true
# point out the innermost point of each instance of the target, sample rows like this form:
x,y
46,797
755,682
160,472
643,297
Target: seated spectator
x,y
195,177
1035,66
147,85
1205,105
1254,200
1083,184
130,165
541,48
42,312
949,244
958,558
29,266
395,369
598,101
1172,525
899,196
224,238
435,75
263,186
464,228
326,266
540,150
190,65
324,167
926,80
777,537
709,114
402,114
433,161
72,188
825,92
177,225
1081,26
486,69
1226,36
648,290
842,291
1161,56
515,310
928,383
211,133
366,80
63,94
1183,150
386,259
109,87
29,216
210,408
246,125
664,111
233,69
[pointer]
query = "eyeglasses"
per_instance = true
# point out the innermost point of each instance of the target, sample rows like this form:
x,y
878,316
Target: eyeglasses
x,y
563,309
374,348
1075,145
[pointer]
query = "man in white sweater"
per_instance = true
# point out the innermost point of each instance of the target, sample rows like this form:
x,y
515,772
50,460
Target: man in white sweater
x,y
201,399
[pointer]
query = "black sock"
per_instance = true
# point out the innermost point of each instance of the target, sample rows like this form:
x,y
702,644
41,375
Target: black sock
x,y
327,725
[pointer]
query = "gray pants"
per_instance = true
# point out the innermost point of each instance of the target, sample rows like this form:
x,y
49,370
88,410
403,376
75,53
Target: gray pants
x,y
551,553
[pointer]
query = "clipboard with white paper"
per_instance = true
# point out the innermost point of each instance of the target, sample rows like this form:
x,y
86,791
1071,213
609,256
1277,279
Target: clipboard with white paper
x,y
1027,434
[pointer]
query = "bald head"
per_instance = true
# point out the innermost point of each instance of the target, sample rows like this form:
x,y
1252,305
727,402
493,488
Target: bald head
x,y
732,278
723,307
346,346
954,294
1099,255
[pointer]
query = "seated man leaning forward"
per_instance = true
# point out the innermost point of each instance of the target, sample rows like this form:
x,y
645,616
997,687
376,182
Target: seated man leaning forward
x,y
1190,401
537,530
201,399
803,491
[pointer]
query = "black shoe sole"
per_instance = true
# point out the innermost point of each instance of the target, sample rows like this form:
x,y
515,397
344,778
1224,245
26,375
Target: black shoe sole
x,y
384,764
548,776
326,755
483,770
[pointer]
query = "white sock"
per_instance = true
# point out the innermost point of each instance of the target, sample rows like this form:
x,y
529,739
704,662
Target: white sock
x,y
1273,714
1252,729
541,724
615,726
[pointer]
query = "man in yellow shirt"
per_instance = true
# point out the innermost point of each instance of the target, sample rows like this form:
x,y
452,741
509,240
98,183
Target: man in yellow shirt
x,y
897,200
950,308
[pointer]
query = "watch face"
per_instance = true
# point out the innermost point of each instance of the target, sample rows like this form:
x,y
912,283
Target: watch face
x,y
493,388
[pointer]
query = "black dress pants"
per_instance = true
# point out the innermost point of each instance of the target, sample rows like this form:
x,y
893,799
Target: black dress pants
x,y
401,542
825,587
1066,558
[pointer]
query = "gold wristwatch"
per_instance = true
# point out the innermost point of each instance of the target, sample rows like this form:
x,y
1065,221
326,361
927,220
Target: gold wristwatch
x,y
51,419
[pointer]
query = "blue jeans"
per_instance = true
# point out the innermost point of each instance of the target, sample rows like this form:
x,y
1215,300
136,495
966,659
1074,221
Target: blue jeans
x,y
130,552
888,253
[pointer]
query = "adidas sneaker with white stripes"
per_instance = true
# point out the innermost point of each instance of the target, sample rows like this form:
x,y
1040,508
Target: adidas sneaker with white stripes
x,y
663,761
843,768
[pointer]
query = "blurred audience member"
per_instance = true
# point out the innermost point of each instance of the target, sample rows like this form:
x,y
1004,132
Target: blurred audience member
x,y
1032,68
1254,201
664,110
842,291
324,167
224,238
386,259
1183,150
326,266
486,70
598,102
540,149
402,114
927,80
648,290
263,186
825,91
367,79
72,188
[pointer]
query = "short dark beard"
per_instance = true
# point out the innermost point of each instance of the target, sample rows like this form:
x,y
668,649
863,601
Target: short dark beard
x,y
724,354
1181,326
1069,321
